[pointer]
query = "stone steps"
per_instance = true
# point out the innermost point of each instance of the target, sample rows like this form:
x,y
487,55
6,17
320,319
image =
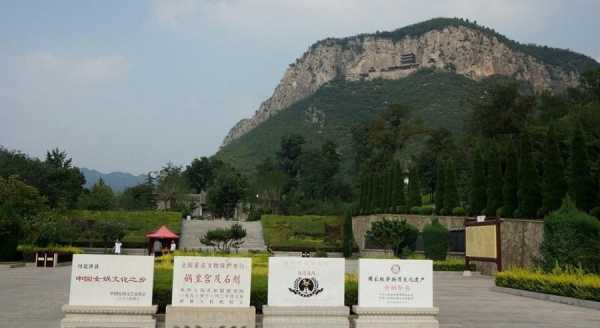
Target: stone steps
x,y
192,231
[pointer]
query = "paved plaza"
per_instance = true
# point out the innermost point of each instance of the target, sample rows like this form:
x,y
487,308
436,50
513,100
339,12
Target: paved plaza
x,y
32,298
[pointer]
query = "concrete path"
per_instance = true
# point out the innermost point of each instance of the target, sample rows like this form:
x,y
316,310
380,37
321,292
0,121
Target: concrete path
x,y
32,298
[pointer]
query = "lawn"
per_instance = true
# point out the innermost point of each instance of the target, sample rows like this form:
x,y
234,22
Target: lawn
x,y
303,233
137,223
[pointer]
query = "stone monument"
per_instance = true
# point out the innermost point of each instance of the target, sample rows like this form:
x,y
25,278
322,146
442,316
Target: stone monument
x,y
110,291
306,292
395,293
211,292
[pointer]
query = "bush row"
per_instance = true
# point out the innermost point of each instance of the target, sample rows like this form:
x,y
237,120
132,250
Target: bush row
x,y
570,284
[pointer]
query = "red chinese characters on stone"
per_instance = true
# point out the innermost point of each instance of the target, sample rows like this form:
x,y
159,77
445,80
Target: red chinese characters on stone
x,y
111,279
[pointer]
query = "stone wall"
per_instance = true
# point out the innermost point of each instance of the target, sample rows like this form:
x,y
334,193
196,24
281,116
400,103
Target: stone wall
x,y
521,239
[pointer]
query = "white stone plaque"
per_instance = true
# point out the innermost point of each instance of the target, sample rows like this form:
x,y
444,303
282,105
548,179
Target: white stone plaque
x,y
395,283
211,281
296,281
111,280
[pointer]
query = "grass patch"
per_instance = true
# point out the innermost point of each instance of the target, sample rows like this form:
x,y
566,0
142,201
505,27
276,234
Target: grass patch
x,y
163,279
137,223
303,233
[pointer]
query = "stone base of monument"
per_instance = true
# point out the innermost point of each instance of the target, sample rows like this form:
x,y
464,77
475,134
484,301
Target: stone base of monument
x,y
182,316
381,317
78,316
306,316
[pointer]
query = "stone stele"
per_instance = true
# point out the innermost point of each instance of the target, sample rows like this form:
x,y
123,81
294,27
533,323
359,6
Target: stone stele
x,y
306,316
385,317
182,316
83,316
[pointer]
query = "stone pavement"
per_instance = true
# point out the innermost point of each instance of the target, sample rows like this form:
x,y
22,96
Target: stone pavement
x,y
33,297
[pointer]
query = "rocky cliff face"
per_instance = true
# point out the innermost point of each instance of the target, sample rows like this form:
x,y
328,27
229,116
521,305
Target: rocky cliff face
x,y
458,48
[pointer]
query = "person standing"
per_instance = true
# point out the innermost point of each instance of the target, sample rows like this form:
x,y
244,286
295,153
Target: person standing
x,y
173,246
157,248
117,247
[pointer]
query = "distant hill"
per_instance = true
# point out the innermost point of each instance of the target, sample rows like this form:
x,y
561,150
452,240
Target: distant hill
x,y
118,181
434,67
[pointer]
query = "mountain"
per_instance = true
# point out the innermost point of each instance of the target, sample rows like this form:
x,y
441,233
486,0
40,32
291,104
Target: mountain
x,y
433,67
118,181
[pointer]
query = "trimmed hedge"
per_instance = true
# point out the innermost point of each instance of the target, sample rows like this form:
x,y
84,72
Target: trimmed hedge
x,y
303,233
577,285
31,249
435,240
137,223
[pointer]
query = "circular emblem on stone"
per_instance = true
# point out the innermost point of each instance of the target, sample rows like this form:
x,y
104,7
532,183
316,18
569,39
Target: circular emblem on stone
x,y
395,268
306,287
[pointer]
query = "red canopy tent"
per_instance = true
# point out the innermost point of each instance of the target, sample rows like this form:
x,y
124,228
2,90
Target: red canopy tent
x,y
162,234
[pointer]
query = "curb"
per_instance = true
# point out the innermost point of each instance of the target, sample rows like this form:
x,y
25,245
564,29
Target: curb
x,y
548,297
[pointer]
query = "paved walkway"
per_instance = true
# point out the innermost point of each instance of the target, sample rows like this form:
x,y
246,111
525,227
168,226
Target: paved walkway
x,y
32,298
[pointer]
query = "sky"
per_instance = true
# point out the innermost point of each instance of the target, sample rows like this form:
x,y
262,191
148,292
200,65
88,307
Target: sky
x,y
131,85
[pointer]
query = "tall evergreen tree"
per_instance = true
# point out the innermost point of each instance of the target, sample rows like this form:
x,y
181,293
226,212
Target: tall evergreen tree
x,y
478,195
554,186
414,188
363,195
370,194
451,198
348,234
399,197
494,182
510,188
389,185
439,186
581,183
530,198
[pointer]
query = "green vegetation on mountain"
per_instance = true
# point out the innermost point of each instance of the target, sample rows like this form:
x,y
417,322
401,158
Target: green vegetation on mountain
x,y
440,100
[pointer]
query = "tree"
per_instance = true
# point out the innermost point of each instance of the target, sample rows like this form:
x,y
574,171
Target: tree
x,y
393,235
435,240
109,231
269,186
451,198
399,197
289,154
99,198
510,187
63,183
201,172
554,186
494,182
581,183
529,188
227,191
140,197
478,194
172,187
348,234
439,186
414,189
590,83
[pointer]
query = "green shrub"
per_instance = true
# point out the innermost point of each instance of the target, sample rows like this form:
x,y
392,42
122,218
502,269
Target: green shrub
x,y
435,240
426,210
31,249
254,214
415,210
571,238
569,284
459,211
395,235
596,212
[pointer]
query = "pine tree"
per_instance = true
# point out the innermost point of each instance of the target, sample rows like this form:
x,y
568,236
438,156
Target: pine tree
x,y
439,186
478,195
581,183
361,199
554,186
399,197
451,199
510,187
389,192
370,194
494,182
530,199
414,189
348,234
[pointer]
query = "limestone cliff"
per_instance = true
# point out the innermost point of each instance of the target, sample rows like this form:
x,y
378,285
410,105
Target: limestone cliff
x,y
463,49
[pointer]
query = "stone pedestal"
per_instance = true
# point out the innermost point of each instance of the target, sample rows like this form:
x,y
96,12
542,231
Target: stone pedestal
x,y
306,316
381,317
78,316
210,317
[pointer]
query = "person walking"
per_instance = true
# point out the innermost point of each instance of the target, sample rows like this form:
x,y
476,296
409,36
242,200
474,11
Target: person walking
x,y
117,247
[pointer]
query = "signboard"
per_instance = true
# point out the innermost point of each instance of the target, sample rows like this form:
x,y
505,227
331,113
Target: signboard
x,y
211,281
111,280
395,283
296,281
483,242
